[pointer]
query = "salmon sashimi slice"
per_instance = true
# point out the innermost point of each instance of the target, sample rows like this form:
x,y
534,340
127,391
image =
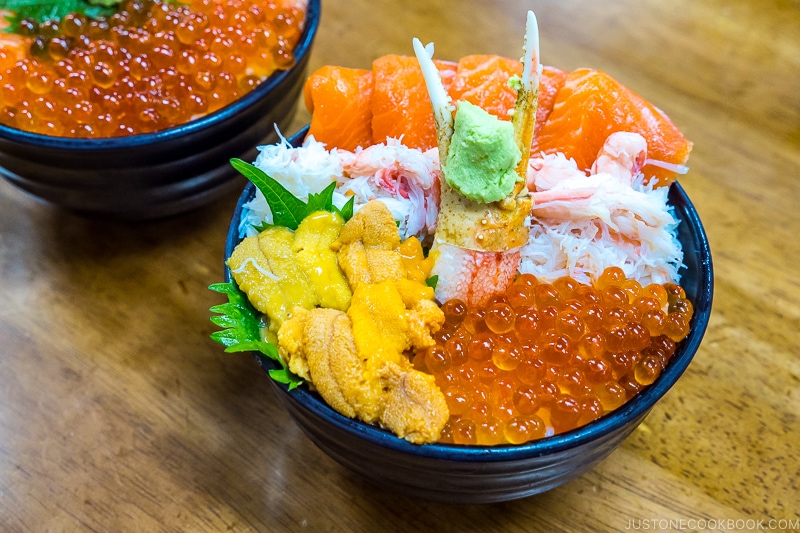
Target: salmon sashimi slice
x,y
590,106
400,103
340,102
483,80
576,111
550,82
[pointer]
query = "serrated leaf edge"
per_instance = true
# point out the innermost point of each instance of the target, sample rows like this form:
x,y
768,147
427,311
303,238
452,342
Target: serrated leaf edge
x,y
231,338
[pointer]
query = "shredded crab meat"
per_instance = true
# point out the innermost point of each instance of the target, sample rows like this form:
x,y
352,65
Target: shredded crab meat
x,y
608,218
406,180
252,261
666,165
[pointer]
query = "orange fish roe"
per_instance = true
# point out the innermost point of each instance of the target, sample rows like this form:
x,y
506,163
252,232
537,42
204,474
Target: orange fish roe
x,y
545,358
152,65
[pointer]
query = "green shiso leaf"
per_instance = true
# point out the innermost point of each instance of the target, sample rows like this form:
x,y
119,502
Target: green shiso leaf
x,y
283,375
432,281
264,225
42,10
105,3
347,209
242,331
322,201
286,209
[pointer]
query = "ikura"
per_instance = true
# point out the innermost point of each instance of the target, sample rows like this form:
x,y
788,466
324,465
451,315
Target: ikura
x,y
150,66
545,358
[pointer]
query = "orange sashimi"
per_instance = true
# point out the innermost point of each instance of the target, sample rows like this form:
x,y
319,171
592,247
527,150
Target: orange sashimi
x,y
550,83
400,103
340,102
590,106
483,80
576,111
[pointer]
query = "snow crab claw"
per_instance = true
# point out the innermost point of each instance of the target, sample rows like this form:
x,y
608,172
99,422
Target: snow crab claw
x,y
477,244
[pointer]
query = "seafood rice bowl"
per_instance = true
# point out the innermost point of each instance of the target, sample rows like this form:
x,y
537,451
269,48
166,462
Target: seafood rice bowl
x,y
450,297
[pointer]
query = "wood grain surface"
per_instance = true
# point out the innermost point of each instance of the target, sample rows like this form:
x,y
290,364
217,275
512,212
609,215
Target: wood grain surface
x,y
118,413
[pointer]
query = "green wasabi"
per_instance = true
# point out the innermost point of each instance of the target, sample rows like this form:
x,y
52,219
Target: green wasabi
x,y
483,156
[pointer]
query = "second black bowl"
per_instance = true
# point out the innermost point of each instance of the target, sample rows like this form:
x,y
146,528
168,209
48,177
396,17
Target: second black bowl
x,y
163,173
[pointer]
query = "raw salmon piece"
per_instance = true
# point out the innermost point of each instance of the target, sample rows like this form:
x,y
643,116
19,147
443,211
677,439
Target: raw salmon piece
x,y
550,83
590,106
400,102
483,80
340,102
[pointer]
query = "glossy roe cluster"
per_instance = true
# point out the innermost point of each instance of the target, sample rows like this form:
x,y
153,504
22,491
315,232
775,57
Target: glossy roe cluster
x,y
150,66
546,358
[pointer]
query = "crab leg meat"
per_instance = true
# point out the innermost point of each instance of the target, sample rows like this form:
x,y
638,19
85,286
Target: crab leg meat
x,y
440,100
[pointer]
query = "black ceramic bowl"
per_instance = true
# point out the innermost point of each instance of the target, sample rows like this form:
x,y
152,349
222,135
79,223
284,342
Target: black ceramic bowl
x,y
162,173
483,474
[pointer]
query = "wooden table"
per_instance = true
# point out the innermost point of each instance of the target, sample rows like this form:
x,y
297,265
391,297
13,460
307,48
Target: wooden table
x,y
118,413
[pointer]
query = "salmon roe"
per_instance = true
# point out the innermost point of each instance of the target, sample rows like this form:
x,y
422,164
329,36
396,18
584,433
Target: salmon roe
x,y
152,65
545,358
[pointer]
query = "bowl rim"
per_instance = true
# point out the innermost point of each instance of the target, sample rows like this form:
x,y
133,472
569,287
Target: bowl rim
x,y
301,49
637,407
